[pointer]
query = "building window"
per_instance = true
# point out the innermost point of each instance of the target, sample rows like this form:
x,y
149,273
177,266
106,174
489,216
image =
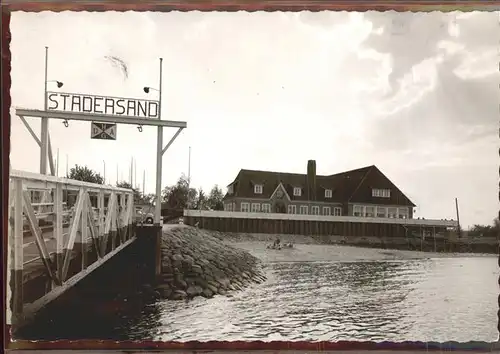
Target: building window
x,y
381,212
370,211
303,210
392,212
358,210
266,208
230,190
292,209
255,207
337,211
297,191
327,211
228,207
245,207
257,189
234,206
381,193
315,210
328,193
403,213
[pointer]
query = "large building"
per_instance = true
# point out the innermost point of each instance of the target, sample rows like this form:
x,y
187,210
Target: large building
x,y
364,192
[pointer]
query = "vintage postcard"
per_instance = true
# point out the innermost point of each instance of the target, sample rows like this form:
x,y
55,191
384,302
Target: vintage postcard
x,y
254,176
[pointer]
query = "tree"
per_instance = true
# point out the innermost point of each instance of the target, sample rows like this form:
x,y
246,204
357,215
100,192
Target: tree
x,y
139,198
177,196
215,197
201,201
85,174
485,230
148,198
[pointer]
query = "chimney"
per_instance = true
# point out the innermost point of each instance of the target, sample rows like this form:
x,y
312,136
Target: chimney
x,y
311,179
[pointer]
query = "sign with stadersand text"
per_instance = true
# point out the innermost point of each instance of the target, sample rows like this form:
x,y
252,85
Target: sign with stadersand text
x,y
102,105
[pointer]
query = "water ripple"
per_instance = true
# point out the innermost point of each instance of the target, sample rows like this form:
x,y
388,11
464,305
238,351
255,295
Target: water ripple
x,y
325,293
399,299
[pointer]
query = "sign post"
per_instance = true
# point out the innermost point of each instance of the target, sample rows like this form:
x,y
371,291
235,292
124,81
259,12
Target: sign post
x,y
44,128
159,155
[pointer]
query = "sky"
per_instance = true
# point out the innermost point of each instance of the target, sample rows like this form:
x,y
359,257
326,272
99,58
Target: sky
x,y
415,94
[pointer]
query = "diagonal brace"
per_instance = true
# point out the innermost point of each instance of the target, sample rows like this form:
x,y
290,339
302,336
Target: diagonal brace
x,y
93,230
72,233
39,142
171,140
35,229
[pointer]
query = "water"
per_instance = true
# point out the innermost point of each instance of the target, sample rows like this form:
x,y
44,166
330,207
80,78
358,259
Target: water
x,y
317,292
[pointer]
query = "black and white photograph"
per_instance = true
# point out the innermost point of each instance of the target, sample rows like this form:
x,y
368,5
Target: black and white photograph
x,y
254,176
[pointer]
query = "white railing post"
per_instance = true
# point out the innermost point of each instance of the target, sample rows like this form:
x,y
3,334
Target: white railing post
x,y
130,216
58,228
114,216
100,225
17,251
83,233
108,222
121,219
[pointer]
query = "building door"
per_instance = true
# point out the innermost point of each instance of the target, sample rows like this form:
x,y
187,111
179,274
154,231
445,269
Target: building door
x,y
279,207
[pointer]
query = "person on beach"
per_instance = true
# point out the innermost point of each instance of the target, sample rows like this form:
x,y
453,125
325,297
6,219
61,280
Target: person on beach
x,y
277,242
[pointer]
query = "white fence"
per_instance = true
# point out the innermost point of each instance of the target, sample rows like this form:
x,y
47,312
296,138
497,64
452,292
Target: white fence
x,y
327,218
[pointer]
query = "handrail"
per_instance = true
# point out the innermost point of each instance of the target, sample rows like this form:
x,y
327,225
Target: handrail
x,y
52,179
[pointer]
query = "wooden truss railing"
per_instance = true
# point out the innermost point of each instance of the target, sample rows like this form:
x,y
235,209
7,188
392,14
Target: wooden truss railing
x,y
82,220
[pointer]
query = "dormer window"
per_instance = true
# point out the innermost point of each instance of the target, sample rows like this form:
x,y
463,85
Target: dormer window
x,y
381,193
328,193
230,190
297,191
257,189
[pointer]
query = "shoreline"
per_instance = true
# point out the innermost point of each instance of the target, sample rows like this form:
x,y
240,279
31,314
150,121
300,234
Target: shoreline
x,y
441,247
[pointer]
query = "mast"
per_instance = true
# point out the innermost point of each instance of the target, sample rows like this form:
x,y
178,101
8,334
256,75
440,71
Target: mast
x,y
459,229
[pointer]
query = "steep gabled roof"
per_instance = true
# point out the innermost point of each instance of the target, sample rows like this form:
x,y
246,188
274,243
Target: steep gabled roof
x,y
342,184
374,178
246,180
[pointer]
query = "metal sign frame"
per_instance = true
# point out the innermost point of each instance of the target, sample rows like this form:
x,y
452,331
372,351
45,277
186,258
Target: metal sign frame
x,y
44,140
160,124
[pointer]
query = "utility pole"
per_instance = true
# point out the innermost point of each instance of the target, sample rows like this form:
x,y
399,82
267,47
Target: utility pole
x,y
135,174
189,179
144,183
459,229
130,172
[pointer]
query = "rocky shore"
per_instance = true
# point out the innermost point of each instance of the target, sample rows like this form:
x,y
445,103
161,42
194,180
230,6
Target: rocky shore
x,y
195,263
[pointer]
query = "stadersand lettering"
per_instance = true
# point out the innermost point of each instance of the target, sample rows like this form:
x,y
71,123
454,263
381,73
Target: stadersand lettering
x,y
78,103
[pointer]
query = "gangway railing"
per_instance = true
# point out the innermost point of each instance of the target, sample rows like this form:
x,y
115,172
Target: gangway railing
x,y
69,220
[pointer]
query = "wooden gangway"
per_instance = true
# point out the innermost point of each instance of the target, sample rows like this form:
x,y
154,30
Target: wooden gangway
x,y
60,230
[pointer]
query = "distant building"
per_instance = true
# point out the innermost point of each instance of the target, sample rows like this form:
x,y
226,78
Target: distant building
x,y
364,192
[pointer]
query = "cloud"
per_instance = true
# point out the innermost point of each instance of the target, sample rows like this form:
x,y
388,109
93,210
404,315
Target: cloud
x,y
439,95
414,93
